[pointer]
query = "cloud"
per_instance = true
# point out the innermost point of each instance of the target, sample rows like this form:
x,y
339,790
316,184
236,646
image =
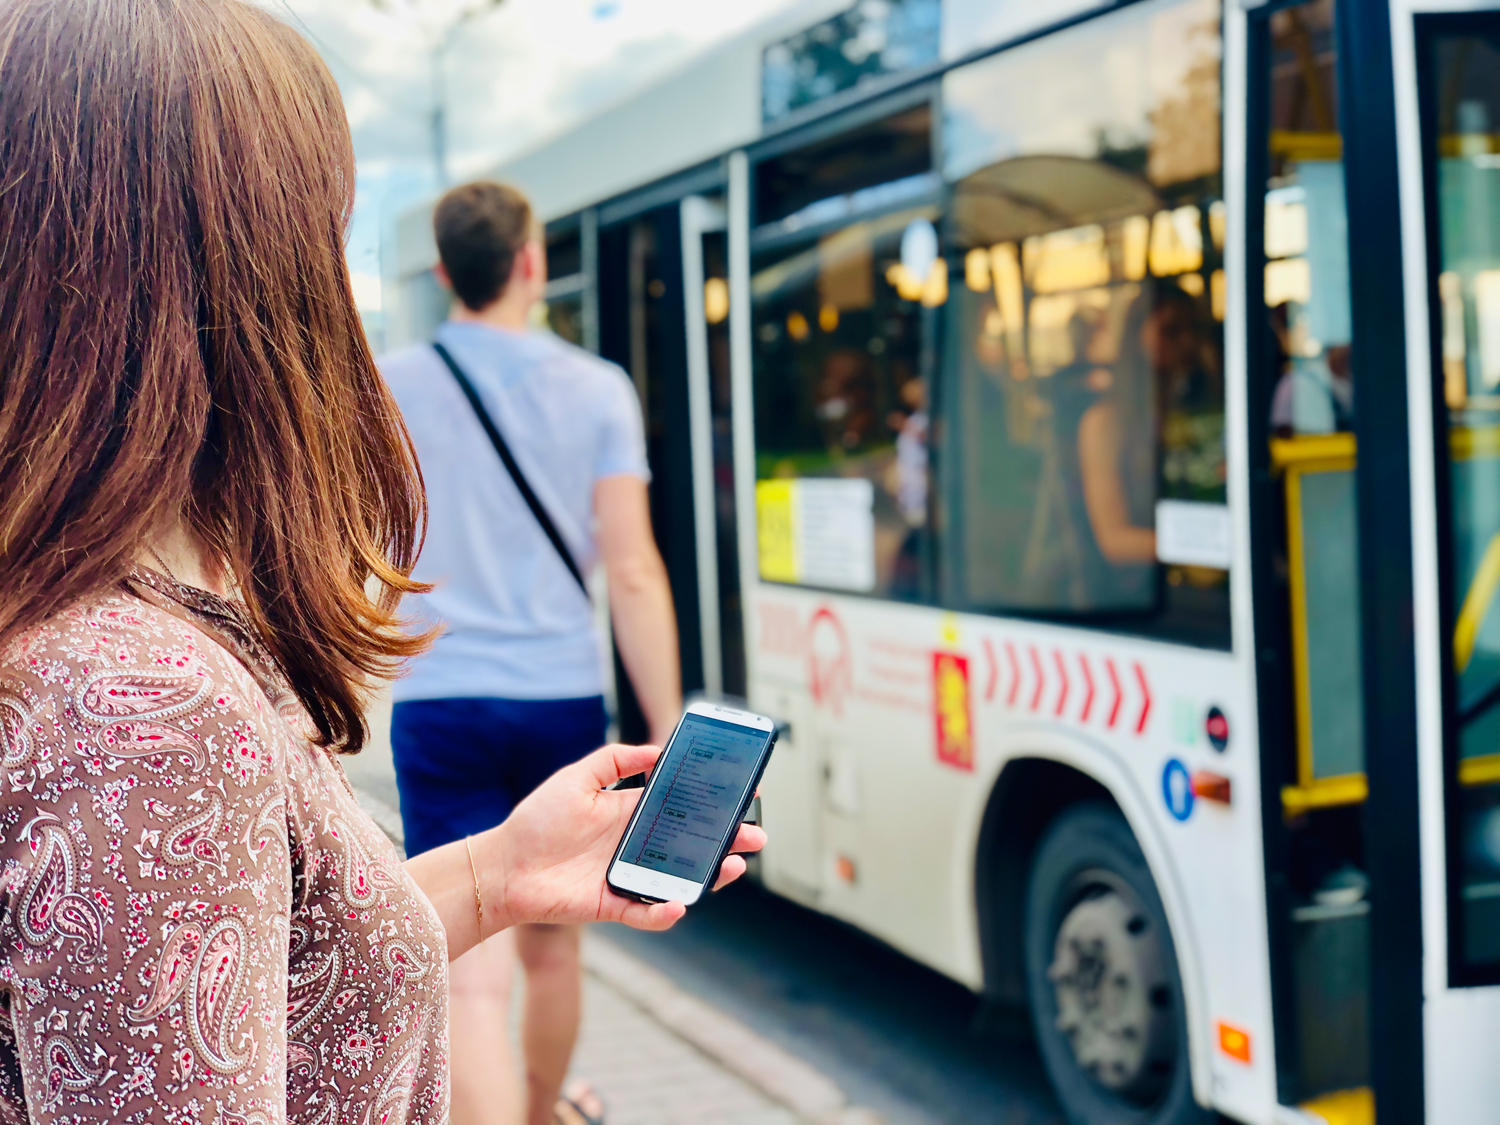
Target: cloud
x,y
511,77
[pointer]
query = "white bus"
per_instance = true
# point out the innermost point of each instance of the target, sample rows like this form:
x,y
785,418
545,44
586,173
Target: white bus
x,y
1081,425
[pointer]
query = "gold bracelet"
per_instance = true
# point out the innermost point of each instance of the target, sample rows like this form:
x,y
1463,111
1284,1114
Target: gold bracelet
x,y
478,902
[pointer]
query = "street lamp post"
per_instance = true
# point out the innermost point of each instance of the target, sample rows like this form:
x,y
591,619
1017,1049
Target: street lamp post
x,y
438,21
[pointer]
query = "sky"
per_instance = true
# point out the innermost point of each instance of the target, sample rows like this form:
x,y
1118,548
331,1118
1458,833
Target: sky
x,y
508,75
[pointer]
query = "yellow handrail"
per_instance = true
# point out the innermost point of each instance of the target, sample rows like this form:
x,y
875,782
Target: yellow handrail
x,y
1313,450
1477,604
1481,770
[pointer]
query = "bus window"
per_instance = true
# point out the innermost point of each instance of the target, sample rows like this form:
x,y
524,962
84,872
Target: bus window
x,y
1462,101
563,315
564,252
856,46
1082,467
562,310
800,188
1306,229
841,410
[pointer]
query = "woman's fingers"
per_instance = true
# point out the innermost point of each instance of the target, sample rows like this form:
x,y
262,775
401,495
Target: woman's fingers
x,y
608,764
731,869
750,838
646,916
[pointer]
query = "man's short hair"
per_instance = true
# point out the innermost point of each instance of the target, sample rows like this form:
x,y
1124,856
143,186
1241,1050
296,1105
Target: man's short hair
x,y
480,228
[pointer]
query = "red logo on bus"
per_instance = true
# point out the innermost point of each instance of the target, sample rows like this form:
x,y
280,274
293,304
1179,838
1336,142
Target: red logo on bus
x,y
951,711
830,671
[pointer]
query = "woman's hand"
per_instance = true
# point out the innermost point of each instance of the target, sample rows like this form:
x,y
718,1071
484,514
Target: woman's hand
x,y
547,862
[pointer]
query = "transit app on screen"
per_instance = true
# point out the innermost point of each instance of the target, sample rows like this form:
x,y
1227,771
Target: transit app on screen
x,y
694,800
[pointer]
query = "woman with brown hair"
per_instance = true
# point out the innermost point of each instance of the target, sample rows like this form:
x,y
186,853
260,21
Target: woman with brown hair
x,y
202,477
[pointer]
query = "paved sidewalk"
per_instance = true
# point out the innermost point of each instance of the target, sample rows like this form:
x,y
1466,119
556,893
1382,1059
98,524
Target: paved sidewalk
x,y
656,1054
647,1074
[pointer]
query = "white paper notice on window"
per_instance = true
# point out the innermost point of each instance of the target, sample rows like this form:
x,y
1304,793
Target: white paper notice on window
x,y
1189,533
835,521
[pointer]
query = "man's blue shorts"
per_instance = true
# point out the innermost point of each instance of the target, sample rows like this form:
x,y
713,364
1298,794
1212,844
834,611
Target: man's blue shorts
x,y
462,765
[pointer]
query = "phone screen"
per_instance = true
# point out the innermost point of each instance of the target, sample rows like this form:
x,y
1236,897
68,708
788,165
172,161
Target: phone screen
x,y
695,797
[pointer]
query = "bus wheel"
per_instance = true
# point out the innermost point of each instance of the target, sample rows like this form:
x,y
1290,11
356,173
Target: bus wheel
x,y
1106,999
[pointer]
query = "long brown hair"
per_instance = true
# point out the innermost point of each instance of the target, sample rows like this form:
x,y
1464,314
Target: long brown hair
x,y
180,338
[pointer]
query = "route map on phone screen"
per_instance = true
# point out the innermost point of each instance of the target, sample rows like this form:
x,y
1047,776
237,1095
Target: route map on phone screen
x,y
693,800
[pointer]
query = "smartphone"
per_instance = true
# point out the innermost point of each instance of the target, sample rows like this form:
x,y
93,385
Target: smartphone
x,y
692,805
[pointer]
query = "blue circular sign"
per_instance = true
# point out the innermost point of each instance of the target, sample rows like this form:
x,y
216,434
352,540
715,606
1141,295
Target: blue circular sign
x,y
1177,789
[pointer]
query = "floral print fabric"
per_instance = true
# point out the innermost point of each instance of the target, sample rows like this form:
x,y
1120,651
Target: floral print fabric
x,y
198,921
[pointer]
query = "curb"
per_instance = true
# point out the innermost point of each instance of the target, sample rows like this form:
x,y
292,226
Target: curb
x,y
777,1073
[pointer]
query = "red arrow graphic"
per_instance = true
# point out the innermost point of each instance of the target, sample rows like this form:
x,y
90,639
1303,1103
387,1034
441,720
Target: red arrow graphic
x,y
1036,663
1062,670
1088,684
1114,683
994,678
1140,675
1015,674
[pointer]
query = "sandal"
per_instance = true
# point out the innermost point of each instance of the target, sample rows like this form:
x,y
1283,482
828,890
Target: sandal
x,y
571,1106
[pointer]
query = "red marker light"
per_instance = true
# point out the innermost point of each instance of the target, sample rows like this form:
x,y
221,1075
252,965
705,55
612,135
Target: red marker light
x,y
1210,786
1217,728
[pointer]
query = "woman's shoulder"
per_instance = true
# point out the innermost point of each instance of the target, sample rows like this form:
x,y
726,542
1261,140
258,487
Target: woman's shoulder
x,y
116,684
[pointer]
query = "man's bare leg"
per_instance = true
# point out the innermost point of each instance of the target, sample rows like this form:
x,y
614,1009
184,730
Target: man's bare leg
x,y
553,1006
486,1087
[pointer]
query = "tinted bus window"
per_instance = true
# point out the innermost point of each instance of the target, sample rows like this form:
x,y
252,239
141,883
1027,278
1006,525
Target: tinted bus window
x,y
564,317
1082,469
1307,229
562,311
801,185
842,358
1462,99
854,47
564,252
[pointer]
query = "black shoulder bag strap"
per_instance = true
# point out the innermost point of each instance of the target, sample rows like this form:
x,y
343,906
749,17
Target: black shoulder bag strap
x,y
522,485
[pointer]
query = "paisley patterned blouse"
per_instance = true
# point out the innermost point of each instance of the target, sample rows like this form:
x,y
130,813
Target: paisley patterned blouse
x,y
198,922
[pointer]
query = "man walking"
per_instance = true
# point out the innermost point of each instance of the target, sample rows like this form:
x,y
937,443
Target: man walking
x,y
513,688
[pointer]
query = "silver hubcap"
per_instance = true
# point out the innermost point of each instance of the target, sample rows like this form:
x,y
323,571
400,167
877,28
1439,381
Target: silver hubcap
x,y
1108,975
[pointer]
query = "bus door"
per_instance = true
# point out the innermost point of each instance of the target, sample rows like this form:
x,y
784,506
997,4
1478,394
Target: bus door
x,y
1303,387
705,295
1458,109
1355,948
642,327
664,314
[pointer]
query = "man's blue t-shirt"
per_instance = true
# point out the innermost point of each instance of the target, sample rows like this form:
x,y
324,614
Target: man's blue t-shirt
x,y
515,624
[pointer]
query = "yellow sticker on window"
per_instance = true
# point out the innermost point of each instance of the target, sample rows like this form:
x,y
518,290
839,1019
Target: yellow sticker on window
x,y
776,530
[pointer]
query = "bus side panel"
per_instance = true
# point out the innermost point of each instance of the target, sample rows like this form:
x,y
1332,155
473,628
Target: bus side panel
x,y
916,712
884,806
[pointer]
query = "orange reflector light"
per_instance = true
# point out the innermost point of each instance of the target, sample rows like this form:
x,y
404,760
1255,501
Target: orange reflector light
x,y
844,868
1211,786
1234,1042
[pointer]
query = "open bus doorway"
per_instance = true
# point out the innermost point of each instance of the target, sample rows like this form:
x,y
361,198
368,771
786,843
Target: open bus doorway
x,y
663,317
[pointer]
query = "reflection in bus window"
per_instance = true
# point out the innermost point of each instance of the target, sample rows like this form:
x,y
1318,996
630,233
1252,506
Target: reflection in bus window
x,y
1307,231
562,310
841,396
857,45
1086,389
1465,108
1157,368
564,316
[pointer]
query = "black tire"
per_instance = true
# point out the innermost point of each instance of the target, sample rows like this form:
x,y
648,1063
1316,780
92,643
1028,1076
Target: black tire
x,y
1106,997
